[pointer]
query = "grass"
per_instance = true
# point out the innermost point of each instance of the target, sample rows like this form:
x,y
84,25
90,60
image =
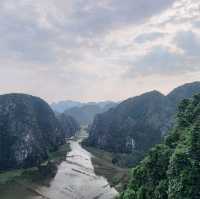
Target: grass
x,y
9,175
33,173
60,154
103,166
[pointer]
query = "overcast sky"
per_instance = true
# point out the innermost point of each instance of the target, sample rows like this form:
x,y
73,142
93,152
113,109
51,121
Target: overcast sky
x,y
92,50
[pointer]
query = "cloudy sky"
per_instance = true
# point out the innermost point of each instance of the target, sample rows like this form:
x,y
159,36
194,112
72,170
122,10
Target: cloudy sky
x,y
92,50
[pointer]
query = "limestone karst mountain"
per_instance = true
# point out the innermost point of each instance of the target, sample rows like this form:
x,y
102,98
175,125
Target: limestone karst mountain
x,y
28,131
171,170
138,123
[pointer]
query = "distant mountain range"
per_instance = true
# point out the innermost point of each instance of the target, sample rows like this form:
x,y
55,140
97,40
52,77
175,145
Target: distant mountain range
x,y
138,123
63,106
84,113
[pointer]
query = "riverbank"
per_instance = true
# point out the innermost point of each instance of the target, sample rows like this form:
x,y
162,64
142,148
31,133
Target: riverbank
x,y
31,174
103,166
74,178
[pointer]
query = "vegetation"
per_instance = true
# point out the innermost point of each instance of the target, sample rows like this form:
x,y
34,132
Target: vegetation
x,y
69,125
172,169
45,170
138,124
28,129
103,166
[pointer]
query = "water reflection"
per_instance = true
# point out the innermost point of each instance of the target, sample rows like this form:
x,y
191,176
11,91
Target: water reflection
x,y
75,179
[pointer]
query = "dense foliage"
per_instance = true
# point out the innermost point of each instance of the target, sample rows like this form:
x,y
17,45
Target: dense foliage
x,y
28,131
138,123
135,125
69,125
172,169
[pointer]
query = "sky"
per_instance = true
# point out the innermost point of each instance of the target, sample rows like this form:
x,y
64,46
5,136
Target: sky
x,y
91,50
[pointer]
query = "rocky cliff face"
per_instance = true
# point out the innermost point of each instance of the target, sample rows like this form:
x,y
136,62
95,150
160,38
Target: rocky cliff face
x,y
138,123
28,130
171,170
69,125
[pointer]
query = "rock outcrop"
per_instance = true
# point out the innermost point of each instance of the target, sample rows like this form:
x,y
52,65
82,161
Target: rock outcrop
x,y
28,131
69,125
138,123
171,170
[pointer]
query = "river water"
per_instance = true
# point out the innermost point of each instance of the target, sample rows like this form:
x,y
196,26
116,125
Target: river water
x,y
75,179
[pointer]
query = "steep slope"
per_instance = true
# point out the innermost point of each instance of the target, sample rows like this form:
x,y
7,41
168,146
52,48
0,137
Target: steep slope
x,y
138,123
172,170
69,125
28,130
184,92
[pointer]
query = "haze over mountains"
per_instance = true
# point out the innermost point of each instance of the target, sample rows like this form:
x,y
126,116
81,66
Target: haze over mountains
x,y
118,73
29,128
138,123
84,113
68,124
63,106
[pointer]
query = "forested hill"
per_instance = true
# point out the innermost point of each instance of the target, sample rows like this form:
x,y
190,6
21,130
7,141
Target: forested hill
x,y
68,124
29,130
137,124
172,169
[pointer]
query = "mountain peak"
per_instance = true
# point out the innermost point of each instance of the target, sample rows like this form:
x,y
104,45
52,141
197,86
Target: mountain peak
x,y
184,91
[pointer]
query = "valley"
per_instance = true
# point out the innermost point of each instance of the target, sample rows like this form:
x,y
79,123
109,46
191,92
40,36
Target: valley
x,y
115,153
75,179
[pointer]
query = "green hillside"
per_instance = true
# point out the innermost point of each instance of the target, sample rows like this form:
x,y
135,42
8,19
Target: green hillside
x,y
172,170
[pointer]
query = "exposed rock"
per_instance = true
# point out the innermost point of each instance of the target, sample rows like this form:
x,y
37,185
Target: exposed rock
x,y
28,131
138,123
171,169
69,125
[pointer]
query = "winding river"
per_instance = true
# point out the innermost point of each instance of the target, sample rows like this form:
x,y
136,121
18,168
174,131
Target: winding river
x,y
75,179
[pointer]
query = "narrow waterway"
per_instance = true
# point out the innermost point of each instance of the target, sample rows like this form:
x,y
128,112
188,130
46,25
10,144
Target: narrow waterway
x,y
75,179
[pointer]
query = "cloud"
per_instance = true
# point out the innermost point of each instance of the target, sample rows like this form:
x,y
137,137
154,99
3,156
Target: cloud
x,y
148,37
158,61
165,61
75,48
38,31
189,42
